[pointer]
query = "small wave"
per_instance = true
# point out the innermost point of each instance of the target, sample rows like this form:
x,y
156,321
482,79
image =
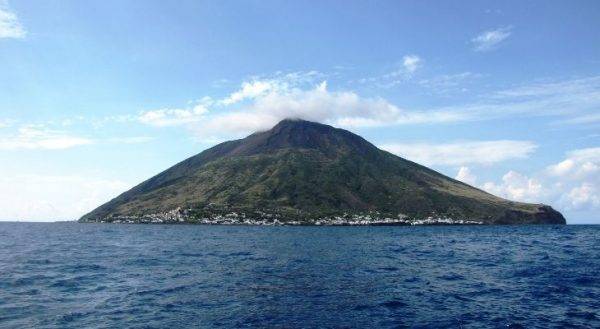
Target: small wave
x,y
144,262
39,261
585,280
70,317
461,298
362,307
191,254
29,280
83,268
170,290
162,291
412,279
70,285
451,277
528,272
394,304
241,253
398,249
581,315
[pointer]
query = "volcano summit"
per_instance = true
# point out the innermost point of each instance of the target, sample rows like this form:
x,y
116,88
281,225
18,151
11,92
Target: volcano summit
x,y
302,172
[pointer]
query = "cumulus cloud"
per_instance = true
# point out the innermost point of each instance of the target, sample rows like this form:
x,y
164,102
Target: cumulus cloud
x,y
489,40
516,186
54,197
259,86
265,104
37,137
466,176
579,176
462,153
250,90
260,103
579,164
584,196
571,184
340,108
214,115
10,27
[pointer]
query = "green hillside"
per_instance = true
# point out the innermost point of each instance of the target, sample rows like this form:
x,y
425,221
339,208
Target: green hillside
x,y
302,171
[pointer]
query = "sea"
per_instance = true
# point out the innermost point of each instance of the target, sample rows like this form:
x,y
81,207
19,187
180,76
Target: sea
x,y
71,275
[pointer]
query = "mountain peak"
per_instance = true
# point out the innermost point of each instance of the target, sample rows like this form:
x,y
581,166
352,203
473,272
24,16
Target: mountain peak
x,y
302,134
295,121
300,126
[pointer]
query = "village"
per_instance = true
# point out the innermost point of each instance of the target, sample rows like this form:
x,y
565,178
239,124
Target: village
x,y
179,216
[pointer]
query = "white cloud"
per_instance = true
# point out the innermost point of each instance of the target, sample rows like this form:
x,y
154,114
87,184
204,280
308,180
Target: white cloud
x,y
40,137
466,176
37,137
250,90
130,140
579,164
411,63
489,40
583,119
287,97
575,101
584,196
173,117
259,104
259,86
5,123
10,27
403,73
577,87
515,186
98,123
340,108
571,184
53,197
462,153
564,99
446,83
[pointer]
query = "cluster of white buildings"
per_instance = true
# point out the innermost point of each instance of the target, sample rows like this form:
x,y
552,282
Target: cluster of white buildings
x,y
172,216
444,221
234,218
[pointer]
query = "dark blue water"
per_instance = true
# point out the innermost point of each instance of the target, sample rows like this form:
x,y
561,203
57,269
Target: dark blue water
x,y
68,275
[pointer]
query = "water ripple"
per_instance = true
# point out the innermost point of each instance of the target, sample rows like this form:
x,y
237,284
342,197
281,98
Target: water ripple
x,y
72,275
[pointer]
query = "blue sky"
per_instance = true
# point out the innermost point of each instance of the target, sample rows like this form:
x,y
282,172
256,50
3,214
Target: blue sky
x,y
96,96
